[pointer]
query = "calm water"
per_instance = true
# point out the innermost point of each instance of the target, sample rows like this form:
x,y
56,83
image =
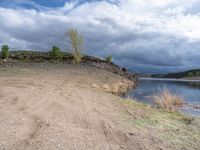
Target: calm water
x,y
189,90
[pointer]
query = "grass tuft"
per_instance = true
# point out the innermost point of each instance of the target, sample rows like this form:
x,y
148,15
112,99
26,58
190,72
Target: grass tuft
x,y
168,101
188,119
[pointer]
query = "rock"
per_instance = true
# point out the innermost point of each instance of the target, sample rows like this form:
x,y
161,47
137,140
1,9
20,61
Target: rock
x,y
115,88
120,87
105,86
124,69
131,133
111,126
196,107
4,60
94,85
111,67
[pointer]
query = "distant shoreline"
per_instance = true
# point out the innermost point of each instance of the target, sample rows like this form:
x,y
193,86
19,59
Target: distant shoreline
x,y
170,79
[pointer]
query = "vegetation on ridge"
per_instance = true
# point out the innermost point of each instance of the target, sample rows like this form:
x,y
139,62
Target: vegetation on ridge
x,y
4,52
109,59
56,53
190,73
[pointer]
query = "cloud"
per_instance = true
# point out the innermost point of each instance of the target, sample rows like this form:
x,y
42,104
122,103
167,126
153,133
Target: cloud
x,y
144,35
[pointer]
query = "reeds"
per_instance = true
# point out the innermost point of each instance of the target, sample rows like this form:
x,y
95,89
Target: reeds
x,y
168,101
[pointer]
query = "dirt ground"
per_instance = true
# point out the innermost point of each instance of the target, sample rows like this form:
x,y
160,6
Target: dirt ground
x,y
66,109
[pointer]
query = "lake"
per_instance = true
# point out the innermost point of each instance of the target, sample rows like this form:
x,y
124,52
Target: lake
x,y
188,89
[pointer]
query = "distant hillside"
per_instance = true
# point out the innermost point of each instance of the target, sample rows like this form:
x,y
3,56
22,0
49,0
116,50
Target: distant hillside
x,y
150,75
187,74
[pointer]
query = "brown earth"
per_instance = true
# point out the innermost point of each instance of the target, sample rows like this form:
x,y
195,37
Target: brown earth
x,y
74,108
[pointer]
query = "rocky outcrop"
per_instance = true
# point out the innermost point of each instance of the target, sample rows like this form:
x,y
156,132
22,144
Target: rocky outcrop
x,y
34,56
3,61
109,66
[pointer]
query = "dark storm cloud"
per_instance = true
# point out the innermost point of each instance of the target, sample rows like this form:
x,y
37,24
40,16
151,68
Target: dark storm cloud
x,y
145,41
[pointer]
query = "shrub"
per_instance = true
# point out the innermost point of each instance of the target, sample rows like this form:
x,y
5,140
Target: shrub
x,y
197,74
77,57
190,74
109,59
188,119
56,53
4,52
168,101
76,41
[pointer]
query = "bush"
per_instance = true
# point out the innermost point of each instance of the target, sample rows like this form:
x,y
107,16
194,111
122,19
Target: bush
x,y
190,74
197,74
168,101
109,59
4,52
56,53
77,57
188,119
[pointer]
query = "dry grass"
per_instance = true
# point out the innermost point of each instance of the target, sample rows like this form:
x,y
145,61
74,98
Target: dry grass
x,y
77,57
188,119
168,101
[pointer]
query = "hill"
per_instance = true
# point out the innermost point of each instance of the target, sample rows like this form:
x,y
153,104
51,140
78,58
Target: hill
x,y
45,57
195,74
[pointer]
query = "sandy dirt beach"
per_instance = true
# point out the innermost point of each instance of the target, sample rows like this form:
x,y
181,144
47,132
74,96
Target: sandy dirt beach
x,y
69,109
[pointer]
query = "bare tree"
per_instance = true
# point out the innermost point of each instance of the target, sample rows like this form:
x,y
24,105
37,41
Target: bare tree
x,y
76,41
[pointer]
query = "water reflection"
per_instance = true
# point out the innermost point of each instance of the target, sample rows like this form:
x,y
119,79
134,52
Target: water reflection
x,y
195,85
189,90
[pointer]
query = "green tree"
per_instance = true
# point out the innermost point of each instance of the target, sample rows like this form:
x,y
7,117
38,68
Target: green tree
x,y
190,74
109,59
76,42
56,53
4,52
197,74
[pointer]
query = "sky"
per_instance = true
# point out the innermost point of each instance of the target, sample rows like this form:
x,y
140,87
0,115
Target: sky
x,y
147,36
